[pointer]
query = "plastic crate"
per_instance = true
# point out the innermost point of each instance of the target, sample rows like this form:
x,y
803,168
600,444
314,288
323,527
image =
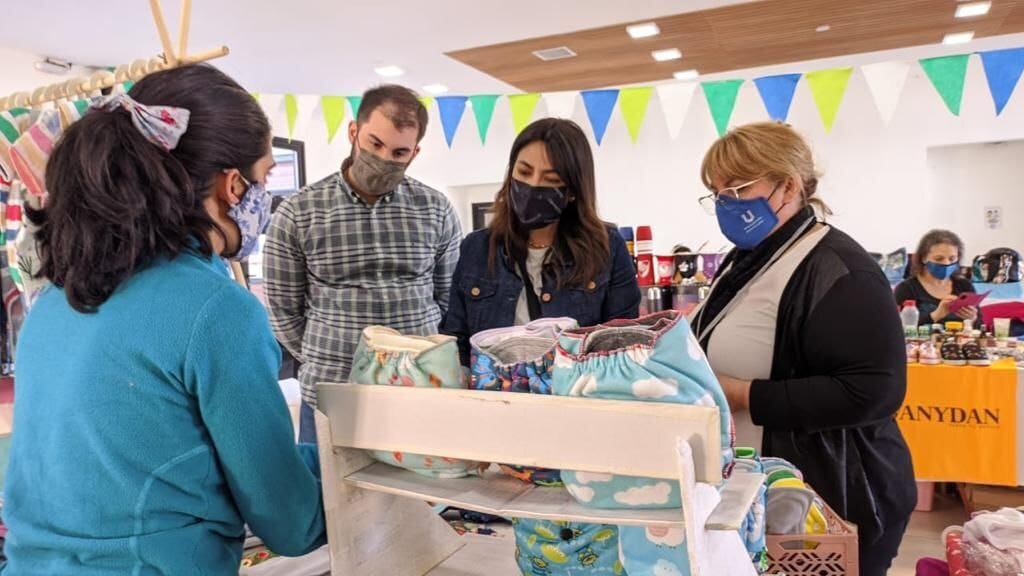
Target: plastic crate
x,y
832,554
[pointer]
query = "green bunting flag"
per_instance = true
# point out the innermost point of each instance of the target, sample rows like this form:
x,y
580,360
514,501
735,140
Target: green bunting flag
x,y
354,102
291,110
483,111
828,88
633,103
334,114
721,97
522,106
947,75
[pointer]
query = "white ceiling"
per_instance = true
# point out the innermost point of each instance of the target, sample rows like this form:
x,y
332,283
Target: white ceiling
x,y
317,46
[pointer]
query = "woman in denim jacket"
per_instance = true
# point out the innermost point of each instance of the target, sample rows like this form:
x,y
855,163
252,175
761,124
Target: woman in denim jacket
x,y
546,254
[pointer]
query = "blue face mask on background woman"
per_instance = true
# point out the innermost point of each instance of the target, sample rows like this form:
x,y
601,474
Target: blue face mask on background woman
x,y
746,223
252,215
942,271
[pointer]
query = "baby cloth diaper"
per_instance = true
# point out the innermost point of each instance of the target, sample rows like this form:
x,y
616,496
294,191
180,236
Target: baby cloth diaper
x,y
518,359
652,359
387,358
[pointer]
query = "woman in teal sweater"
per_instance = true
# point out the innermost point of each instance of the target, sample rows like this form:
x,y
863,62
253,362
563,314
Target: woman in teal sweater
x,y
149,427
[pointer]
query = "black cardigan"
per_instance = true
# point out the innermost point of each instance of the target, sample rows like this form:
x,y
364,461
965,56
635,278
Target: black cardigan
x,y
838,378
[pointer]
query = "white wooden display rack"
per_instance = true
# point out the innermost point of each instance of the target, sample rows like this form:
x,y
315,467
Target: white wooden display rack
x,y
379,525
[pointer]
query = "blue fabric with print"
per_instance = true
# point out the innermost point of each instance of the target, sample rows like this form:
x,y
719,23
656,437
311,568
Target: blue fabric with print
x,y
652,359
519,359
558,548
753,529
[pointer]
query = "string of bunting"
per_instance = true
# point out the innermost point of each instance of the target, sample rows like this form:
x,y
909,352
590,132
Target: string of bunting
x,y
886,80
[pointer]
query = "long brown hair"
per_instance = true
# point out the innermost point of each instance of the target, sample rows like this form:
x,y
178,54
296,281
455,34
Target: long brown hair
x,y
582,236
118,202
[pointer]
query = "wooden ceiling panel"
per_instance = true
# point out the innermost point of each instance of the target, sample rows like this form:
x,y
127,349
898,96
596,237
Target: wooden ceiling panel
x,y
756,34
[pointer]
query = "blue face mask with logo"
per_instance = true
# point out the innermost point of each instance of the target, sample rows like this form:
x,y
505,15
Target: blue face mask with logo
x,y
942,271
746,223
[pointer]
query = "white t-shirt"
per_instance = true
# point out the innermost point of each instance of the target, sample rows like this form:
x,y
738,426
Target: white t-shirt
x,y
534,264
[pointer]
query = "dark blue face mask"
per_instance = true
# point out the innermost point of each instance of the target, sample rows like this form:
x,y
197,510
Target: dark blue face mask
x,y
942,271
746,223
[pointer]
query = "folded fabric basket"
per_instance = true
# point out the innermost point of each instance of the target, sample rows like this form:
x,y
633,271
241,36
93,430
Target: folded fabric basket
x,y
652,359
519,359
385,357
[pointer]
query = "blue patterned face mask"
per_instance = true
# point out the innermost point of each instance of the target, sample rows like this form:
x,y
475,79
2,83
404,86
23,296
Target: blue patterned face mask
x,y
252,215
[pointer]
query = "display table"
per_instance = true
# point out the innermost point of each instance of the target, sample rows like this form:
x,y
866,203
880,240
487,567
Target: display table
x,y
961,423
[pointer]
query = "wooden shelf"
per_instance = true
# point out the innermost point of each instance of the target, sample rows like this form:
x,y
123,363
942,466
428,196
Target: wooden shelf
x,y
500,495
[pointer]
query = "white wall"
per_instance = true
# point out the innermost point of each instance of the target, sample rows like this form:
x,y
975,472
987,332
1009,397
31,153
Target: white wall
x,y
969,178
876,177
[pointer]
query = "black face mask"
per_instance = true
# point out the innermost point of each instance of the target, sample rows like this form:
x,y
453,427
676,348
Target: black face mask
x,y
537,206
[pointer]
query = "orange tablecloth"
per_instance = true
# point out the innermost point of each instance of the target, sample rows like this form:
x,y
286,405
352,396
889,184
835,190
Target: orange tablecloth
x,y
961,424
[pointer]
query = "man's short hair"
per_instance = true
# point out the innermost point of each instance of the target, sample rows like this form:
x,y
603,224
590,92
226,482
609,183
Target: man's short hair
x,y
401,105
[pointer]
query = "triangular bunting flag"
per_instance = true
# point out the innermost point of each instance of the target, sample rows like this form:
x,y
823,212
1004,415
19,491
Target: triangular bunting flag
x,y
451,109
483,110
721,97
427,101
291,111
1002,69
633,105
354,102
334,114
561,104
828,88
947,75
599,104
522,106
886,81
675,103
777,94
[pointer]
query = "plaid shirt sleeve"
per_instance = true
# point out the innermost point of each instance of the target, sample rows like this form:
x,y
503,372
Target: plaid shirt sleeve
x,y
284,269
447,258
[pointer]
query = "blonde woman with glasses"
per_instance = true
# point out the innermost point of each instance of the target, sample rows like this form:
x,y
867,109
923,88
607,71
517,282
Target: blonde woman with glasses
x,y
801,330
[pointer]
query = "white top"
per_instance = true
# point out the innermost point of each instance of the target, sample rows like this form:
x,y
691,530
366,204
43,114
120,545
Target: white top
x,y
743,343
534,264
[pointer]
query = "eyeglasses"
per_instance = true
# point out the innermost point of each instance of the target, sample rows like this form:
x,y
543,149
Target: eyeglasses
x,y
710,202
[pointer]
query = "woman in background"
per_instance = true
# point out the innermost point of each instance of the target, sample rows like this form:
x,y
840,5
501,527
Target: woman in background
x,y
936,282
149,425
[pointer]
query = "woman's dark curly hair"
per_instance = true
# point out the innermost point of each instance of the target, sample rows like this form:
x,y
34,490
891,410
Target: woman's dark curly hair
x,y
118,202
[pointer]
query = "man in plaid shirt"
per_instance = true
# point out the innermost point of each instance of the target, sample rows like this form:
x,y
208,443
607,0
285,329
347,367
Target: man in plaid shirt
x,y
365,246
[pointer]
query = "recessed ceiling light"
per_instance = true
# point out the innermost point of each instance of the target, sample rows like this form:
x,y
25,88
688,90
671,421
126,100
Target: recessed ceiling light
x,y
389,71
559,53
686,75
972,9
666,55
645,30
435,89
958,38
823,28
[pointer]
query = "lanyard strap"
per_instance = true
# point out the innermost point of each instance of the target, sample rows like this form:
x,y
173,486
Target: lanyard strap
x,y
706,330
532,302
